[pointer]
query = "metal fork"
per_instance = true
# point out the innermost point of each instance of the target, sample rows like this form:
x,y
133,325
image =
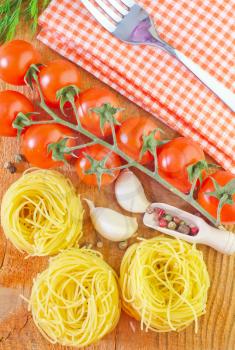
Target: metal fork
x,y
131,23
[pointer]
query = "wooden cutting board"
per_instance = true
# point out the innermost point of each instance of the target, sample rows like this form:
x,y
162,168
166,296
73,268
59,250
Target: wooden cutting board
x,y
17,330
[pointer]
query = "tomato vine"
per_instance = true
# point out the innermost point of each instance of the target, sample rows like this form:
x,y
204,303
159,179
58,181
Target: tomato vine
x,y
68,95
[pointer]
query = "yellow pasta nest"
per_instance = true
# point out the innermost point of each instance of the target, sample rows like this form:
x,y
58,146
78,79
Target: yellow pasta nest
x,y
41,213
75,302
164,283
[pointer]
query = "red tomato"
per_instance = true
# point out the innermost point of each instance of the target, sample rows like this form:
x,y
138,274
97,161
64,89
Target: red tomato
x,y
16,57
35,143
130,137
210,203
174,158
97,152
95,98
12,103
55,76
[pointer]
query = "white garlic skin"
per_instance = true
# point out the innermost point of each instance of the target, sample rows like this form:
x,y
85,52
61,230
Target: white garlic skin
x,y
130,193
111,224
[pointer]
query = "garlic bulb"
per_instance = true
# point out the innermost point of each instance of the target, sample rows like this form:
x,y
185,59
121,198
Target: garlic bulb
x,y
111,224
130,193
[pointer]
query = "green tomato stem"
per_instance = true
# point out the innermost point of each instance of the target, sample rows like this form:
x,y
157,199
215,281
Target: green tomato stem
x,y
193,187
76,113
125,166
114,148
75,148
113,133
43,122
35,77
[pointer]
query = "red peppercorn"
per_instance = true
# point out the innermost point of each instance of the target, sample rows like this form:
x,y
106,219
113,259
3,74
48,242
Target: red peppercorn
x,y
176,220
194,231
160,212
163,223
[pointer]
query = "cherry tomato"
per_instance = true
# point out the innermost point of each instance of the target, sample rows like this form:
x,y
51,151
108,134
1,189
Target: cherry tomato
x,y
35,143
55,76
16,57
96,98
98,153
130,137
210,203
174,158
12,103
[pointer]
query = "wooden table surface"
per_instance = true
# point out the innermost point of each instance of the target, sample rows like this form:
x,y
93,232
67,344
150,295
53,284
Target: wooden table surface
x,y
17,330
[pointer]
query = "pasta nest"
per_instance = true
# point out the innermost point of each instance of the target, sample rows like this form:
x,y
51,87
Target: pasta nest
x,y
75,302
164,283
41,213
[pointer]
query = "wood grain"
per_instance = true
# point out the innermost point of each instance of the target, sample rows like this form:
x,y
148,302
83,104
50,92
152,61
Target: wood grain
x,y
17,330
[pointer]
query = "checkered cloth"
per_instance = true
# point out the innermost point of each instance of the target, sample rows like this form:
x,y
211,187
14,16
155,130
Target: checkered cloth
x,y
202,30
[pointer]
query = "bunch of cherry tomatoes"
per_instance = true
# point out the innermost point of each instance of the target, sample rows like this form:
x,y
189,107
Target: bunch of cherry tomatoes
x,y
174,157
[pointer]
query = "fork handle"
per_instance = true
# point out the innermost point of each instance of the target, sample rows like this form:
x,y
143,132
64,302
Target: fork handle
x,y
208,80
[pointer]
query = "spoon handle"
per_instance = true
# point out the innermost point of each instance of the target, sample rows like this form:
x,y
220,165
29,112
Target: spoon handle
x,y
220,240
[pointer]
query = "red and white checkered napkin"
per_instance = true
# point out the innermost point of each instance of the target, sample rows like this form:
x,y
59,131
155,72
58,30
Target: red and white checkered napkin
x,y
202,30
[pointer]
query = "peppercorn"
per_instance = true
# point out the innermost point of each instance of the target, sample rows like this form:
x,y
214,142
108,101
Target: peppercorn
x,y
172,225
123,245
7,165
160,212
184,229
162,223
99,244
168,217
194,231
150,210
176,220
20,158
10,167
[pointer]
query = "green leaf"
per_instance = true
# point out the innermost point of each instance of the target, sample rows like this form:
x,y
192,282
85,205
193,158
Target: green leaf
x,y
195,170
107,114
230,187
67,94
98,168
13,11
218,189
22,120
32,74
59,150
150,143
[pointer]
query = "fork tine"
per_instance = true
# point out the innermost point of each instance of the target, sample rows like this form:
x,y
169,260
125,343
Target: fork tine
x,y
107,9
128,3
99,16
118,7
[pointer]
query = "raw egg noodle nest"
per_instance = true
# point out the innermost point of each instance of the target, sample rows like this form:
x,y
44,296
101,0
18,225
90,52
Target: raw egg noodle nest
x,y
41,213
75,302
164,283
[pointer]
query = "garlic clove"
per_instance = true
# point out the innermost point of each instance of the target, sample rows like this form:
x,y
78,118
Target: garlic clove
x,y
130,193
111,224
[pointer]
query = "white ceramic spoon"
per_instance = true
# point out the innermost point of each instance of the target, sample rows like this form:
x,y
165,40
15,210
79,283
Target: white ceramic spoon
x,y
221,240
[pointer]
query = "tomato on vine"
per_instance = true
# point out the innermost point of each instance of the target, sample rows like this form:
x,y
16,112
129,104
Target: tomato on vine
x,y
11,104
16,57
175,157
136,136
217,196
55,76
96,108
95,164
36,143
